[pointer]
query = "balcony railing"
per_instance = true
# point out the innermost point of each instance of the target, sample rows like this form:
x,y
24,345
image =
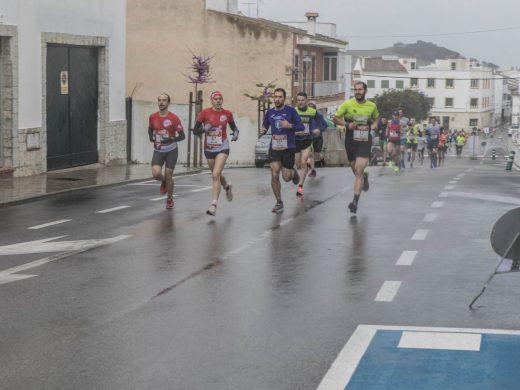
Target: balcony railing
x,y
328,88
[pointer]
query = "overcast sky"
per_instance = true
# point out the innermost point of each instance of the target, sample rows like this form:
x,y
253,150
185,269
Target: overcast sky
x,y
413,17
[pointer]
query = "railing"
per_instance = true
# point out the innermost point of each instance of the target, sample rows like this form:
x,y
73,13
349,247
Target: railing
x,y
327,88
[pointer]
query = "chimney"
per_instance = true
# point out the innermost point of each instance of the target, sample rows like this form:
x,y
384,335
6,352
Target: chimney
x,y
311,22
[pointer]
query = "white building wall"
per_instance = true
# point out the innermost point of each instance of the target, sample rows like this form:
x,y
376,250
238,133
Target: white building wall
x,y
105,18
515,110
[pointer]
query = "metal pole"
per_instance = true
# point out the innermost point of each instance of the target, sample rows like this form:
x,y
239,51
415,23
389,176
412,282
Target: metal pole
x,y
198,110
190,125
195,140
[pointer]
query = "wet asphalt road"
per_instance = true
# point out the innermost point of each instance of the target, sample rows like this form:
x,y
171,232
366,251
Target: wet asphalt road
x,y
248,299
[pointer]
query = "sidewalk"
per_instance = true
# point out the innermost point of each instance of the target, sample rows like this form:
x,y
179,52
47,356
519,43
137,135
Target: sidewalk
x,y
22,189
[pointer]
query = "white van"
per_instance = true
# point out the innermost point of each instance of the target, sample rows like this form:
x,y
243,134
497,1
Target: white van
x,y
512,129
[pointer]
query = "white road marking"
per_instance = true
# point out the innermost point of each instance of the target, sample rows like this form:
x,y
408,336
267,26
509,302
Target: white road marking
x,y
49,224
453,182
387,291
201,189
406,258
153,181
71,248
430,217
437,205
420,234
461,175
449,187
163,198
112,209
341,371
441,340
491,198
286,221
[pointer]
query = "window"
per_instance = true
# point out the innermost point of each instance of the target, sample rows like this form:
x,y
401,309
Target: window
x,y
330,68
371,83
385,84
414,82
473,103
453,66
399,84
432,101
449,83
474,83
296,67
413,65
430,83
487,83
473,122
448,102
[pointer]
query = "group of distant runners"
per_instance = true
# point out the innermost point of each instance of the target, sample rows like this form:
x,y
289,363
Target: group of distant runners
x,y
296,133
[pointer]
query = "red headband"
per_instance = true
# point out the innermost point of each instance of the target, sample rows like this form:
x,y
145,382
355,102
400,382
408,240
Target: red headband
x,y
217,93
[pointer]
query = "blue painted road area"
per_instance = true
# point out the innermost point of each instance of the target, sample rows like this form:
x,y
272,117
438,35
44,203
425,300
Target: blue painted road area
x,y
426,358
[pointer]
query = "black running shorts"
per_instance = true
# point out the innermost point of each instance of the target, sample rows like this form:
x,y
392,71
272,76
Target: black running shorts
x,y
357,149
166,158
286,157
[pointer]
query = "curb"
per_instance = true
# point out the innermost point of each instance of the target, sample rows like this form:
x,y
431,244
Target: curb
x,y
89,187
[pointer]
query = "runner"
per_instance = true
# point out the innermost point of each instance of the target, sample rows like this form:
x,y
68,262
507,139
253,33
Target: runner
x,y
394,141
459,144
317,141
381,133
165,130
403,121
358,115
441,147
304,138
421,145
432,137
411,140
284,122
213,122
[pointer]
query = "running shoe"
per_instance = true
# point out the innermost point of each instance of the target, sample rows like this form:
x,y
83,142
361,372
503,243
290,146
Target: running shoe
x,y
352,207
163,189
212,210
296,177
396,170
299,191
390,164
169,204
229,193
312,173
366,186
278,207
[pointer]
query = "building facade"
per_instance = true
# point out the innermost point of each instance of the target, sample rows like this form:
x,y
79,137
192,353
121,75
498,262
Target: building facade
x,y
244,52
62,85
461,92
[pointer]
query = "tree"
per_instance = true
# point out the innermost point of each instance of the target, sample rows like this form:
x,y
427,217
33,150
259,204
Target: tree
x,y
414,104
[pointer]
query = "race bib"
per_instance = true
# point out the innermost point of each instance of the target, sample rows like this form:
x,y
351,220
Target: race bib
x,y
279,141
434,136
361,133
360,119
411,136
394,134
214,138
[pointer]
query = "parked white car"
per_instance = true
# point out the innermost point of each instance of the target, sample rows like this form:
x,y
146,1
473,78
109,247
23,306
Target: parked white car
x,y
512,129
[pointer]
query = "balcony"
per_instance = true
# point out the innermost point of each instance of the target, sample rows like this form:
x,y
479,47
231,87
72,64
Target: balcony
x,y
323,88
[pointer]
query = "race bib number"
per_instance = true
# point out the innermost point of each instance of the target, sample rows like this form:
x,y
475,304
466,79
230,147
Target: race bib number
x,y
394,134
434,136
214,138
361,133
279,141
411,136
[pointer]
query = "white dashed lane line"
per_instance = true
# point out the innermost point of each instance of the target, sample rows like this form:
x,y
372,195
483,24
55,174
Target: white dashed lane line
x,y
437,205
430,217
449,187
420,234
49,224
388,291
112,209
407,258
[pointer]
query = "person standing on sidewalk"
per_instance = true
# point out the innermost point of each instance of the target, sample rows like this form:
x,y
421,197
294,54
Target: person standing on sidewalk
x,y
165,130
358,115
284,121
381,132
213,122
